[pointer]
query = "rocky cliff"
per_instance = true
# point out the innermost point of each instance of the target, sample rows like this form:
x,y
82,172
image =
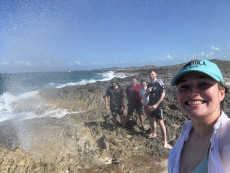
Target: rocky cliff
x,y
86,141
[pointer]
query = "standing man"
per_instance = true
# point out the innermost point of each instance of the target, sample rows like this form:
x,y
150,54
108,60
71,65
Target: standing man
x,y
156,93
116,94
134,100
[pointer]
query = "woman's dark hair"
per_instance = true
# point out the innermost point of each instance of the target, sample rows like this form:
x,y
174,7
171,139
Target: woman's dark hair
x,y
222,103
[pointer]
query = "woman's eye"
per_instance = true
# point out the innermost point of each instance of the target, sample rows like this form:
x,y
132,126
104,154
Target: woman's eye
x,y
204,84
183,87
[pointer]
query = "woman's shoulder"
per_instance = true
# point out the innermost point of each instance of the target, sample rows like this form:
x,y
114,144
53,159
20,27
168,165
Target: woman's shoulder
x,y
224,145
225,131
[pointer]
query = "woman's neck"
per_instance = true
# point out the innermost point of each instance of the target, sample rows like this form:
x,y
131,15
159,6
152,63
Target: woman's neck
x,y
204,126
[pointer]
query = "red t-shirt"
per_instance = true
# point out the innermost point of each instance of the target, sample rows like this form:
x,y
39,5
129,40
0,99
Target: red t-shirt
x,y
133,93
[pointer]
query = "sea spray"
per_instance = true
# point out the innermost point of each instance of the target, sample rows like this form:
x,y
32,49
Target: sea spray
x,y
20,102
23,104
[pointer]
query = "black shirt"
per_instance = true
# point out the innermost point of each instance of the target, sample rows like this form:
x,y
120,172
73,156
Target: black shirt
x,y
116,96
155,94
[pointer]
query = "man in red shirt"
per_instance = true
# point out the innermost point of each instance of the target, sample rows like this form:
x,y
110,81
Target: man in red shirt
x,y
134,100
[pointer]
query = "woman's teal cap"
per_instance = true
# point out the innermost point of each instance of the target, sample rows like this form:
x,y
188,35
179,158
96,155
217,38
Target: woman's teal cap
x,y
204,66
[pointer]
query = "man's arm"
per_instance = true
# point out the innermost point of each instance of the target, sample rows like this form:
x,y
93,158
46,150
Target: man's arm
x,y
123,104
148,91
162,94
106,103
122,99
161,99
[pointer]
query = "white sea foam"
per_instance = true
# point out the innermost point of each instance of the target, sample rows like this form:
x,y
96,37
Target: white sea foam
x,y
111,74
121,75
67,84
6,109
6,99
108,75
58,113
82,82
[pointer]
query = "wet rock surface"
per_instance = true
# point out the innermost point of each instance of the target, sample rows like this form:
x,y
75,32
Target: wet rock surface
x,y
86,142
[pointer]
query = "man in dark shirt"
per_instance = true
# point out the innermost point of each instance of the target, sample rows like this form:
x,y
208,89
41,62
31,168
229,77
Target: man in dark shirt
x,y
134,100
116,94
156,93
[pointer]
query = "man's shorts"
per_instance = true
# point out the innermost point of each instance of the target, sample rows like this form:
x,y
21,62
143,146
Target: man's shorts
x,y
157,113
137,107
115,111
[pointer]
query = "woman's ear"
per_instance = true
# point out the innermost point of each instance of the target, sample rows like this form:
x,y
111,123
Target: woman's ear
x,y
221,93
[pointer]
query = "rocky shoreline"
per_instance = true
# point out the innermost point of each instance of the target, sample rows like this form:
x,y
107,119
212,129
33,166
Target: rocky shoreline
x,y
86,142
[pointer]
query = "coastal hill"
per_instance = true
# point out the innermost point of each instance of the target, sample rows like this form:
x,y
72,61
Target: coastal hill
x,y
86,141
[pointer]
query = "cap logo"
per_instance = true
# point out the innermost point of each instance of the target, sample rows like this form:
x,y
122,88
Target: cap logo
x,y
193,64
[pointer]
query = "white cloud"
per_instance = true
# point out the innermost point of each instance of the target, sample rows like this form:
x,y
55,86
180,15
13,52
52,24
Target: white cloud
x,y
215,48
204,55
194,56
210,55
169,56
4,63
78,62
22,62
98,63
215,53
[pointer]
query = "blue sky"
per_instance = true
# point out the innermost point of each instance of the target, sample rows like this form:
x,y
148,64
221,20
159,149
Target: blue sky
x,y
45,35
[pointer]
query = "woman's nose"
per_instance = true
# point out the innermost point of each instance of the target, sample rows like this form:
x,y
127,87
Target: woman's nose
x,y
193,90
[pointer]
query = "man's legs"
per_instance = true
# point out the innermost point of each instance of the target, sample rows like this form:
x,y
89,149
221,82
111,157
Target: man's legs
x,y
140,114
139,110
129,113
122,121
163,131
152,122
141,120
127,118
146,111
114,119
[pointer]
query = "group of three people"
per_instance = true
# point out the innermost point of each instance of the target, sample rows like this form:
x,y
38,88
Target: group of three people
x,y
152,96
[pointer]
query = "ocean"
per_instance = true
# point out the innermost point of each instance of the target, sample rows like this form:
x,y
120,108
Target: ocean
x,y
14,87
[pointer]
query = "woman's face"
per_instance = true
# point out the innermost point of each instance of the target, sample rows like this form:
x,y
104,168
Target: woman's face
x,y
199,96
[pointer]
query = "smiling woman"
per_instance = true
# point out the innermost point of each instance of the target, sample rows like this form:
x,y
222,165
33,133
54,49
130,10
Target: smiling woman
x,y
203,140
197,95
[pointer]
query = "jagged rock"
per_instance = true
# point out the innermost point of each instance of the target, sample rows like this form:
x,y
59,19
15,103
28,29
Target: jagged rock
x,y
86,142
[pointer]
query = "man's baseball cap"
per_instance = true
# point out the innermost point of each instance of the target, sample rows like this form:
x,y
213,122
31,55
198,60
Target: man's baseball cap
x,y
204,66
